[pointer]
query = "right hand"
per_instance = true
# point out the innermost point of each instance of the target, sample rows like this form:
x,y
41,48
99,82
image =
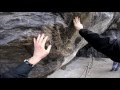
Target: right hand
x,y
77,23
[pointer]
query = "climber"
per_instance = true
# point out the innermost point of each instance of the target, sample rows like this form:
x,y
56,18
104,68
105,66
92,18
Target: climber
x,y
106,45
22,70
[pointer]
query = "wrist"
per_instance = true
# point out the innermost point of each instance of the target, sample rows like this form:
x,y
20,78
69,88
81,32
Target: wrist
x,y
27,62
78,29
34,60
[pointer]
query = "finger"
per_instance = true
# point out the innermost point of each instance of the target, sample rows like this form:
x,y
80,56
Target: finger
x,y
78,19
75,17
34,40
49,48
41,38
74,20
38,38
44,41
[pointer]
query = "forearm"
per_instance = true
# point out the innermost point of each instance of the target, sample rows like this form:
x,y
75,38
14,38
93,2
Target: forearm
x,y
21,71
99,42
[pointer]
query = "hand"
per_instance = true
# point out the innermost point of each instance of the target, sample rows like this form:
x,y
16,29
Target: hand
x,y
77,23
39,49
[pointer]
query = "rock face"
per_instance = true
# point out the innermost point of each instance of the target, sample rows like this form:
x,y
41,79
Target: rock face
x,y
17,30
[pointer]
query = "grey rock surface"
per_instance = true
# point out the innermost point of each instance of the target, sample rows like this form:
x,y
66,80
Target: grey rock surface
x,y
17,30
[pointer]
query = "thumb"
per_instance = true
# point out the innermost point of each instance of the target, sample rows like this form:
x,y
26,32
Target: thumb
x,y
49,48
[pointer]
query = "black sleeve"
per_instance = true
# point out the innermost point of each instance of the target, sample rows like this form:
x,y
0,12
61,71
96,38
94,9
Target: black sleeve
x,y
104,44
21,71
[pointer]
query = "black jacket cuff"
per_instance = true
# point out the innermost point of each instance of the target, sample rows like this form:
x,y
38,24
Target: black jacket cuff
x,y
21,71
83,32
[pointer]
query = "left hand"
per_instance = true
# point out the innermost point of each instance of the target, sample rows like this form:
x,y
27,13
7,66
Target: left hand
x,y
39,49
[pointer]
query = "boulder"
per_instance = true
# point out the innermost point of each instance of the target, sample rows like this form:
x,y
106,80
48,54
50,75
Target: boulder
x,y
17,30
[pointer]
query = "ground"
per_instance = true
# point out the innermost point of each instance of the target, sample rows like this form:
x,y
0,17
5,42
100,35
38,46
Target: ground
x,y
87,68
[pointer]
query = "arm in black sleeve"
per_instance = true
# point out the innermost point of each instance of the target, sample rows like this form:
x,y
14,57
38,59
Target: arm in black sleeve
x,y
21,71
101,43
